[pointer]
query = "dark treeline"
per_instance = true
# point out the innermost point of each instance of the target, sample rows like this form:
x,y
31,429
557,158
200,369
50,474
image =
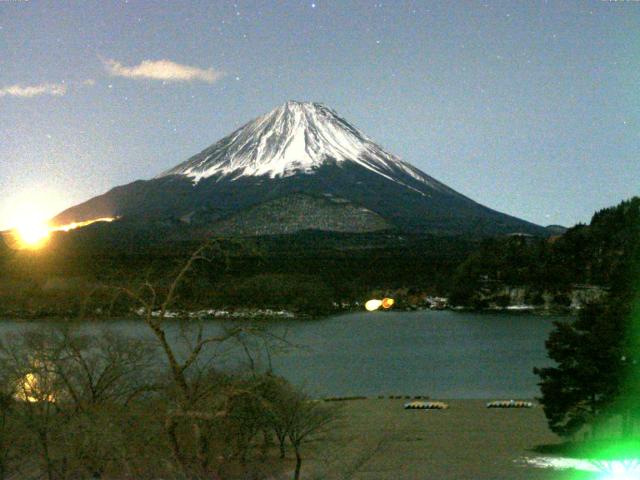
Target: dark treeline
x,y
585,254
591,394
310,272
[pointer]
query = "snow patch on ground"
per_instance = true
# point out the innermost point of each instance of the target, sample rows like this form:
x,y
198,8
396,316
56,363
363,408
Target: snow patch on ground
x,y
558,463
220,313
616,468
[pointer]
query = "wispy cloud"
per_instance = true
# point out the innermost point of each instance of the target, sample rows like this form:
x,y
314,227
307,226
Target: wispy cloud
x,y
165,70
27,91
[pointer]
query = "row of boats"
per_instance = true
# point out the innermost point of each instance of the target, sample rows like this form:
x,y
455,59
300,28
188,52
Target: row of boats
x,y
419,405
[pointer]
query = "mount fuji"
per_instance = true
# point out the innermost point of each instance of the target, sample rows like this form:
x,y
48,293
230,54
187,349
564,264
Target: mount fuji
x,y
298,167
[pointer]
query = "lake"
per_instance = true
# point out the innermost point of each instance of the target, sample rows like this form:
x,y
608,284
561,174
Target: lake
x,y
442,354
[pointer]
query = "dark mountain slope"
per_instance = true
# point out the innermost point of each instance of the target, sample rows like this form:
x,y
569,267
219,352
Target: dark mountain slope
x,y
299,148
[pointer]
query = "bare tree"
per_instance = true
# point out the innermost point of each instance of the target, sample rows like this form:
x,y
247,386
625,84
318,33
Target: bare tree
x,y
102,368
6,434
68,392
306,421
187,392
73,393
28,361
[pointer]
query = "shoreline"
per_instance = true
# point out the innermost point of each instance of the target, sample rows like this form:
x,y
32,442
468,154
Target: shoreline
x,y
267,314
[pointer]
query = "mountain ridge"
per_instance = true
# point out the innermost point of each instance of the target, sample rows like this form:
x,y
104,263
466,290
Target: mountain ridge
x,y
300,147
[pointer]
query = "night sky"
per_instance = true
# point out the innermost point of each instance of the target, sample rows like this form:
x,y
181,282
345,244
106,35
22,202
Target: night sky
x,y
531,108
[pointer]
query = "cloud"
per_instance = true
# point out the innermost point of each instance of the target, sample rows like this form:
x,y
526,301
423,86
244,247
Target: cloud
x,y
17,90
162,70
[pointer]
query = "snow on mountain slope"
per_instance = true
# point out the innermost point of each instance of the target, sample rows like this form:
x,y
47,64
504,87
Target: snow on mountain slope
x,y
298,148
297,138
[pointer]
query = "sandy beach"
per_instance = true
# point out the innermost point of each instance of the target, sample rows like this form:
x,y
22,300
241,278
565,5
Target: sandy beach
x,y
381,440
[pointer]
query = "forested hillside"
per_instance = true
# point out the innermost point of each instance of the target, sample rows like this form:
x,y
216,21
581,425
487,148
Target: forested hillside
x,y
313,271
594,254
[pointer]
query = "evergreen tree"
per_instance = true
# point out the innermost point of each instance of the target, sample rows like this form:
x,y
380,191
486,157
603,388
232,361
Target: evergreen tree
x,y
585,383
597,355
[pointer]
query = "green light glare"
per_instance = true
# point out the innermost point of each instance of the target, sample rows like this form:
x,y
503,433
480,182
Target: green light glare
x,y
619,469
620,476
619,459
616,455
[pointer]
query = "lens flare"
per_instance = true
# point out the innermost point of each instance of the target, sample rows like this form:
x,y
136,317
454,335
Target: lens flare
x,y
619,469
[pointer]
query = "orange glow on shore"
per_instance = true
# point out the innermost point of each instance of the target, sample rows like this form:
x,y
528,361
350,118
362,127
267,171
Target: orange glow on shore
x,y
374,304
387,303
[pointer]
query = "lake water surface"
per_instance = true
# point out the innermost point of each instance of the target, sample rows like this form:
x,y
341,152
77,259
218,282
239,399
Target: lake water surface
x,y
442,354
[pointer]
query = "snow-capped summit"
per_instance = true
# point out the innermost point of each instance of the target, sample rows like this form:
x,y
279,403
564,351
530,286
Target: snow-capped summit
x,y
297,137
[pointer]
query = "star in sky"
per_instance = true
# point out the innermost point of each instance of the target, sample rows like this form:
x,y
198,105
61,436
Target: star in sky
x,y
525,94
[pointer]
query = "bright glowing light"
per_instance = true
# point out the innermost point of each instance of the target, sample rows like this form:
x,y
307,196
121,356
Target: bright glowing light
x,y
73,225
24,217
620,476
619,469
31,229
387,303
373,304
29,390
32,232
